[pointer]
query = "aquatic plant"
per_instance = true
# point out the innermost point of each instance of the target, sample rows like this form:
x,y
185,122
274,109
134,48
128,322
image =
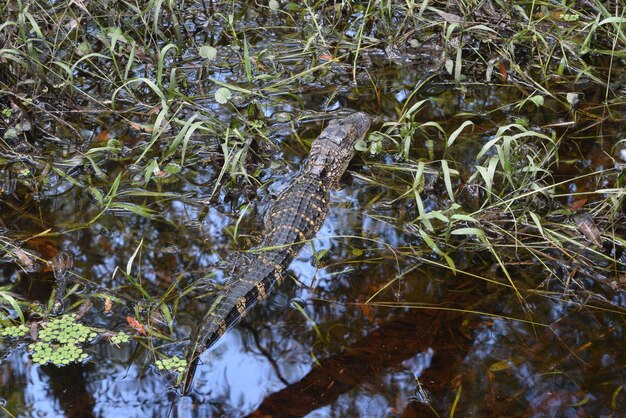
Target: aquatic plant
x,y
173,364
14,331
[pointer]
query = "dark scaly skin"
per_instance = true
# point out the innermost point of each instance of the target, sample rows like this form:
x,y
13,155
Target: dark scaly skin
x,y
294,218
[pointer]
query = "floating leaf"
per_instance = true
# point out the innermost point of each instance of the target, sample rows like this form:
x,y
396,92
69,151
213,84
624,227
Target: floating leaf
x,y
136,325
173,364
448,17
10,133
172,168
537,100
222,95
207,52
588,227
577,204
500,365
361,145
120,338
573,98
108,305
14,331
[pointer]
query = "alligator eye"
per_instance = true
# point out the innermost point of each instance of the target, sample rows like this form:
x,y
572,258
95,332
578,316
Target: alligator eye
x,y
340,135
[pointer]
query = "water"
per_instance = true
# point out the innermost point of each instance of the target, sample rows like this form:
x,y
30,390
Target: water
x,y
427,342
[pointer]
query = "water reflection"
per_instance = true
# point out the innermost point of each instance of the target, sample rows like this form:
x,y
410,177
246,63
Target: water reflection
x,y
469,345
365,361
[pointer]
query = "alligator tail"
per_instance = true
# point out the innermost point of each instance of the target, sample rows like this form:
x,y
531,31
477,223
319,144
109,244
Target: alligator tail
x,y
231,306
227,310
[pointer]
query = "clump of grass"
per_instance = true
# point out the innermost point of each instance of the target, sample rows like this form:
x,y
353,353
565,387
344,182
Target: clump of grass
x,y
516,214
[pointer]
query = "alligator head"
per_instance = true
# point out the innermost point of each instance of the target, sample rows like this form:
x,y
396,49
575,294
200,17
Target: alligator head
x,y
332,151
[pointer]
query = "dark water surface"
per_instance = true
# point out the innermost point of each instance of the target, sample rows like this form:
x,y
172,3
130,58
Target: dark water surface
x,y
370,321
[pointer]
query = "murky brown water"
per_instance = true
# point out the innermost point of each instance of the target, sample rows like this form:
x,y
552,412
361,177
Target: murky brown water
x,y
427,343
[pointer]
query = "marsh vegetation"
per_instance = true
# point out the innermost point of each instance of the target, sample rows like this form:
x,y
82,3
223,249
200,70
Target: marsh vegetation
x,y
473,260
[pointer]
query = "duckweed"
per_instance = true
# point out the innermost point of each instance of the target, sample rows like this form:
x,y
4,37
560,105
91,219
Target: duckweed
x,y
120,338
14,331
60,342
174,364
65,330
57,354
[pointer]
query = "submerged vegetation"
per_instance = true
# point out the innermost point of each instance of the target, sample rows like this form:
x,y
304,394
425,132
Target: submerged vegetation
x,y
140,142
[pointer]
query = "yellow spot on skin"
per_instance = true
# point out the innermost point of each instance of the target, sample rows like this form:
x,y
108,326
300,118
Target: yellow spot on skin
x,y
241,306
221,328
316,207
297,231
292,228
261,289
278,277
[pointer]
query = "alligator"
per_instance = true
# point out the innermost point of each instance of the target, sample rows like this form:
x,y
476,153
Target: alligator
x,y
293,218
